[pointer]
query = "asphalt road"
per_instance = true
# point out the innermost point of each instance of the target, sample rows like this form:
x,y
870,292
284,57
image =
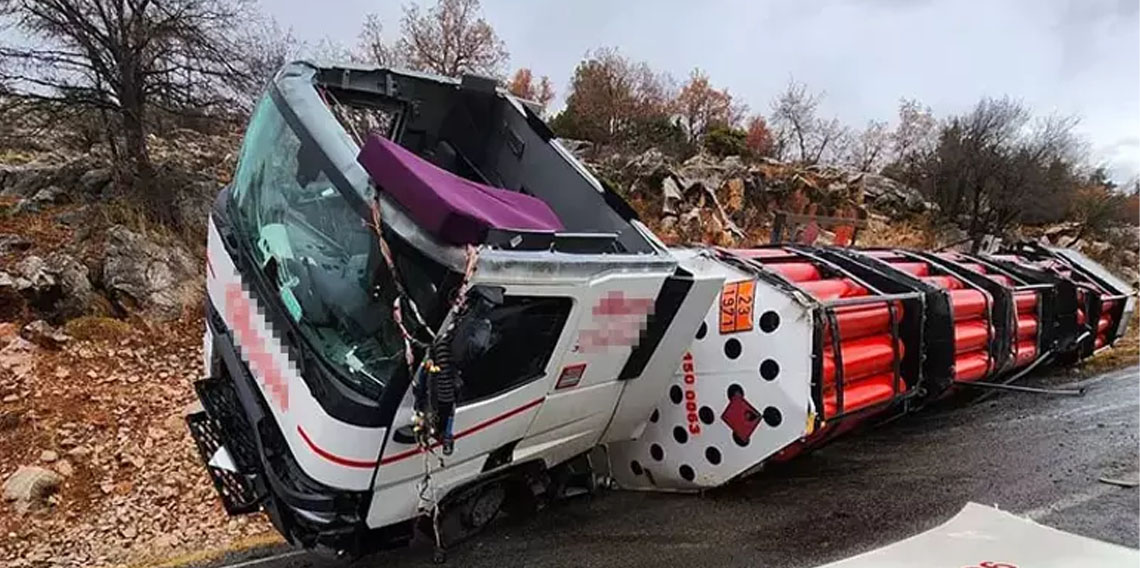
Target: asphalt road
x,y
1037,455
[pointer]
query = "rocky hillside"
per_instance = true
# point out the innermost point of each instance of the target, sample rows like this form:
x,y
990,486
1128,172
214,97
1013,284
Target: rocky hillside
x,y
100,342
71,245
730,202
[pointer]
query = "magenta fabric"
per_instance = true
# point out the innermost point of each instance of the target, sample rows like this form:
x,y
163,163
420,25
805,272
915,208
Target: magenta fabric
x,y
457,210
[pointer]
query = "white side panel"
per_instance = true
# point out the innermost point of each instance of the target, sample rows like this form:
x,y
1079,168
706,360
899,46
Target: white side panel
x,y
688,444
332,452
569,423
609,318
399,501
480,428
640,395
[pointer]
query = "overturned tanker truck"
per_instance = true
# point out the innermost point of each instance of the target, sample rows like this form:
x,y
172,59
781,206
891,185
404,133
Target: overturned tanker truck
x,y
422,310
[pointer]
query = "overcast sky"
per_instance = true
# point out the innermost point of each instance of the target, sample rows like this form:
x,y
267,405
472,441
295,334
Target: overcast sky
x,y
1067,56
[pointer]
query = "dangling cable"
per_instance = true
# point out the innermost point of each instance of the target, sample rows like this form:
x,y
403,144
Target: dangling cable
x,y
433,381
389,260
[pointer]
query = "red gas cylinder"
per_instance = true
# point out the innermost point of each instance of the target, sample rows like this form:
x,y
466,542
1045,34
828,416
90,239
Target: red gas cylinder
x,y
971,335
863,393
833,288
1002,279
1107,306
1082,319
860,321
1026,351
1103,323
1101,341
795,271
967,304
1025,301
974,267
1026,326
913,268
861,358
971,366
947,282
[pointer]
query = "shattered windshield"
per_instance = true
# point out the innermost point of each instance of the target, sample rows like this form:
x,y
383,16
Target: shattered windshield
x,y
321,256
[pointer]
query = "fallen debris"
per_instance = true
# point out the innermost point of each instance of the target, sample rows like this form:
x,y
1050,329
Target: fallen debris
x,y
1130,482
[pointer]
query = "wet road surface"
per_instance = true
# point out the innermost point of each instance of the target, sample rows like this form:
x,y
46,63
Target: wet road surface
x,y
1036,455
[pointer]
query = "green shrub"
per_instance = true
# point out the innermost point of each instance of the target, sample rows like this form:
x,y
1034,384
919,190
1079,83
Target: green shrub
x,y
723,142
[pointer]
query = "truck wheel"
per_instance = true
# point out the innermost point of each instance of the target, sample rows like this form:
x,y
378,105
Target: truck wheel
x,y
483,507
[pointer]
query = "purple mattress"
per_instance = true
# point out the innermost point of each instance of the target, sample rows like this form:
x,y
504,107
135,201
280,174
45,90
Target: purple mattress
x,y
454,209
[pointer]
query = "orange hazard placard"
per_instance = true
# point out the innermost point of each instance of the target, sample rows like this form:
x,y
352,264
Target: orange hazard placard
x,y
736,306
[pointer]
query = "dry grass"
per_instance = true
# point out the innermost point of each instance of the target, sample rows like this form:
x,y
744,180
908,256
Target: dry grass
x,y
13,156
917,234
133,216
1125,352
95,328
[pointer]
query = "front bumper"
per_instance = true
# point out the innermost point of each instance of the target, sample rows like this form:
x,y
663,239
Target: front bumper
x,y
263,474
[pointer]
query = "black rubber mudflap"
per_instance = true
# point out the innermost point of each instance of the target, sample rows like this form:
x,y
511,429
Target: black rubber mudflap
x,y
238,493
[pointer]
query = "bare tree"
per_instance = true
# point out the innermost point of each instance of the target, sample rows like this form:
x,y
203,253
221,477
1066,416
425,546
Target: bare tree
x,y
451,39
125,59
265,48
867,150
994,167
371,46
798,128
793,115
917,130
829,140
332,50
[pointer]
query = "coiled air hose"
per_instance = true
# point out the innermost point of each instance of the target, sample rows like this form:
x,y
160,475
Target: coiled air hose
x,y
443,389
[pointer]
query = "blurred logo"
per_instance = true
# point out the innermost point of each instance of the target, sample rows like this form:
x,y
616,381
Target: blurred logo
x,y
239,315
618,322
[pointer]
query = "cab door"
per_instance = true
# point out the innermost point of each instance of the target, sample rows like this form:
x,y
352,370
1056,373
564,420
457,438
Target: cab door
x,y
582,390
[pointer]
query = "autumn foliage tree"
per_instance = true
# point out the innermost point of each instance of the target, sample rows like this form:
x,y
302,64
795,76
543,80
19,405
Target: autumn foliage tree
x,y
613,101
702,108
522,85
759,137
